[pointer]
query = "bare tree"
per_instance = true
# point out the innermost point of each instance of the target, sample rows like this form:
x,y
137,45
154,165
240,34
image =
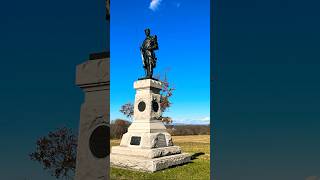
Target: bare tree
x,y
127,110
165,103
56,152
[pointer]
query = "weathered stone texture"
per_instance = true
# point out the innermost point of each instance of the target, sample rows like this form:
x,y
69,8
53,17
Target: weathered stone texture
x,y
147,164
93,78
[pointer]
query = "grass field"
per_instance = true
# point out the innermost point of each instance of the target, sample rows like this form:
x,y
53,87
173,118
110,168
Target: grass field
x,y
199,168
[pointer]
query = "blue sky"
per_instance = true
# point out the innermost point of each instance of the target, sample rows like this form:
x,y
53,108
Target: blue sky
x,y
183,33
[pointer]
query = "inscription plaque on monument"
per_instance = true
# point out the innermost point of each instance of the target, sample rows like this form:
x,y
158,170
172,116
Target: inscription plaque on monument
x,y
99,145
141,106
160,141
135,140
155,106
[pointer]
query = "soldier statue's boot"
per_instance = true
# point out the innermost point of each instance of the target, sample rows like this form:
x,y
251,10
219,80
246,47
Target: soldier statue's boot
x,y
146,72
150,70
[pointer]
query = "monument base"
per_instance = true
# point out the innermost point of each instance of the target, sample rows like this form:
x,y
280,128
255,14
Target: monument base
x,y
146,153
144,164
147,146
147,160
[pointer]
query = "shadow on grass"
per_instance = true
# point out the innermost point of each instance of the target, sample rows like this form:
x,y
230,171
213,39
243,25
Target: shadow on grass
x,y
178,165
196,155
193,156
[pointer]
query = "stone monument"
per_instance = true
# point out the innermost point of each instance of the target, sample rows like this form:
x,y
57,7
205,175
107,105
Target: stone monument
x,y
92,76
147,146
93,150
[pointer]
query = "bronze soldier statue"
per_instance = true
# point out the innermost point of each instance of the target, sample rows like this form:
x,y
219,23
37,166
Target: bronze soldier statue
x,y
149,60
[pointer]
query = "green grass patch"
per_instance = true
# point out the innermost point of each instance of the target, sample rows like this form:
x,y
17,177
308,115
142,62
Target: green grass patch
x,y
199,168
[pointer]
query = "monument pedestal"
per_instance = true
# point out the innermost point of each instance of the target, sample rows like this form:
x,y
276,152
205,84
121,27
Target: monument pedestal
x,y
130,161
93,141
147,146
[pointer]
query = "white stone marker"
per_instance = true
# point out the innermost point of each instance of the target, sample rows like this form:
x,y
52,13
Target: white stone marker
x,y
147,146
93,142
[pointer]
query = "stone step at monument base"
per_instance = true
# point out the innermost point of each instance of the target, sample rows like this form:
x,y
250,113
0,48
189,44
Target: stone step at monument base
x,y
138,163
147,153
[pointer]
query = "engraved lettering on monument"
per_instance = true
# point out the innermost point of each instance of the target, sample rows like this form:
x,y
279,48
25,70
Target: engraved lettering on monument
x,y
135,140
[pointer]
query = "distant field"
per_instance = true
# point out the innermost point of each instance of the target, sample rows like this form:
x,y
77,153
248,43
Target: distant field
x,y
199,168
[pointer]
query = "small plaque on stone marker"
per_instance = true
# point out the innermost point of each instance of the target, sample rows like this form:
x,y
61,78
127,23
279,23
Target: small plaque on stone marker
x,y
141,106
99,142
161,141
135,140
155,106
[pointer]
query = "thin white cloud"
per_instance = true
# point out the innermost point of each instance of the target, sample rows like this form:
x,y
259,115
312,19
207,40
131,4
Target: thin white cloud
x,y
154,4
204,120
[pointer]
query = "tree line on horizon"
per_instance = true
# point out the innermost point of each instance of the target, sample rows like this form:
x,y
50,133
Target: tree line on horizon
x,y
119,126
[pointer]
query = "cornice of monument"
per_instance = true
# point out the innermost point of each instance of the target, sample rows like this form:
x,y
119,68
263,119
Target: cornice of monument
x,y
93,73
147,83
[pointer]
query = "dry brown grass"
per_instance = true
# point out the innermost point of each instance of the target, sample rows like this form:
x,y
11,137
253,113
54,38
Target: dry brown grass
x,y
192,138
179,139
